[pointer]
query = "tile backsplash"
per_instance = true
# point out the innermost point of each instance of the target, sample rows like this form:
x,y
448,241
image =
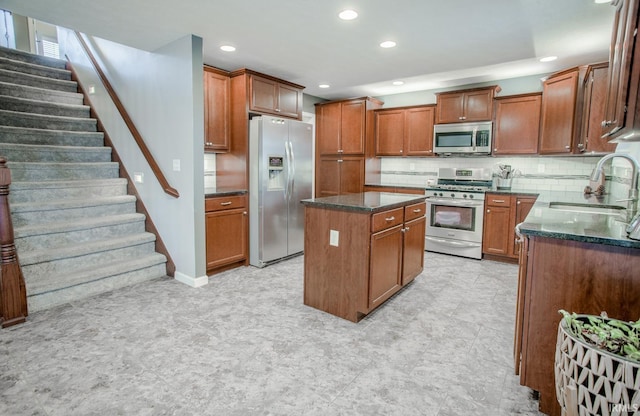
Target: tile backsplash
x,y
209,170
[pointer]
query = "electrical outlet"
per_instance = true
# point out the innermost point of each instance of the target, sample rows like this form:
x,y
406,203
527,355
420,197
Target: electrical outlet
x,y
412,166
176,165
138,177
334,237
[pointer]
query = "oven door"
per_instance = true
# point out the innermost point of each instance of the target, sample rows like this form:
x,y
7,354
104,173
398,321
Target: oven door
x,y
455,219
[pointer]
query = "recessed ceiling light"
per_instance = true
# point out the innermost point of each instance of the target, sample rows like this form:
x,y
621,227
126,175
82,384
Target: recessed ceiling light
x,y
548,58
348,14
388,44
323,86
398,83
602,1
228,48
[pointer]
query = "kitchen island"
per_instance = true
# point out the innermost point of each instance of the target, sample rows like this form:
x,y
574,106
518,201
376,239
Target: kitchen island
x,y
360,249
576,256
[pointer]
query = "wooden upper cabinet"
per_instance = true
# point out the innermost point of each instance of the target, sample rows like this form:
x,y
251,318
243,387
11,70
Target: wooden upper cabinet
x,y
516,127
464,106
217,85
406,131
595,90
624,77
341,127
339,176
273,96
559,103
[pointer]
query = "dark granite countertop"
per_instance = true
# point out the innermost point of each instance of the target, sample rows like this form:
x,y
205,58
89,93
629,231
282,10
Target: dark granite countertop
x,y
570,223
365,202
213,192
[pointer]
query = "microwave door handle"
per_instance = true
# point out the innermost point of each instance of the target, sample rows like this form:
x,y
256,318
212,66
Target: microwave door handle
x,y
473,138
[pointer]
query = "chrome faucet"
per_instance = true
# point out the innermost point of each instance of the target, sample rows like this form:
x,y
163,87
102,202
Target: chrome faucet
x,y
633,190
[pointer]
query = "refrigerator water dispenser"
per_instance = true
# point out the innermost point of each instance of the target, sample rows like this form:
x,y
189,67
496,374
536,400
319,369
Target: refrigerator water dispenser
x,y
276,179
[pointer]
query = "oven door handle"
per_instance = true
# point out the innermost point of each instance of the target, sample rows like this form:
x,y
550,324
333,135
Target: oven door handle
x,y
455,203
452,243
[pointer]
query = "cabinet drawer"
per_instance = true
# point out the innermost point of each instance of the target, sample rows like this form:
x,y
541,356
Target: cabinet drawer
x,y
222,202
498,200
386,219
414,211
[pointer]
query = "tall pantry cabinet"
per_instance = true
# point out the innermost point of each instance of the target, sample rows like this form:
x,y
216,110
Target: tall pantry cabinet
x,y
344,145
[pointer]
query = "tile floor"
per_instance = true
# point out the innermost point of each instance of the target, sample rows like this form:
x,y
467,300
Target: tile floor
x,y
246,345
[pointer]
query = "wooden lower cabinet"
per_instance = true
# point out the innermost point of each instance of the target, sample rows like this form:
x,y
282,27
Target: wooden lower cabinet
x,y
373,257
502,213
575,276
227,231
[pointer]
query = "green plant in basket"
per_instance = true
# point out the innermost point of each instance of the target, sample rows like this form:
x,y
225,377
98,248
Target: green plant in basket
x,y
612,335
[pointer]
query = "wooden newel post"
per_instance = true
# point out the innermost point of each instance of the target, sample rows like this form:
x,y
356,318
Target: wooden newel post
x,y
13,293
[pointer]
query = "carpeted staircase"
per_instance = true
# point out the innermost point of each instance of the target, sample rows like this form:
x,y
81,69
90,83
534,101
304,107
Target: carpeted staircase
x,y
76,230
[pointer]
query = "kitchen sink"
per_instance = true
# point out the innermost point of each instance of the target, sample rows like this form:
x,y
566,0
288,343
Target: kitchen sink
x,y
587,209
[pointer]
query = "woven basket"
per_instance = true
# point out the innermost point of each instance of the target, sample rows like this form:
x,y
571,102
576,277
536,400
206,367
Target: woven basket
x,y
590,381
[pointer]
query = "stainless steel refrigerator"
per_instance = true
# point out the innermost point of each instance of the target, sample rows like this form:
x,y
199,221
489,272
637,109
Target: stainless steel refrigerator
x,y
280,175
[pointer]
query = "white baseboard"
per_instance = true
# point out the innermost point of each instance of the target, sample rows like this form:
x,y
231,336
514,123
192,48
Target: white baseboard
x,y
191,281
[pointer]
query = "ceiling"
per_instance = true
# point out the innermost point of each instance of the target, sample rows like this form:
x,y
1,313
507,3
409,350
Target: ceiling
x,y
439,43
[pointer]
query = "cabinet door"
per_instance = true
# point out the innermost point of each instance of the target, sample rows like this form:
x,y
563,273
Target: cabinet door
x,y
385,265
352,127
329,119
351,175
413,251
558,113
523,207
389,132
517,125
216,111
478,105
450,108
226,234
418,131
595,90
520,299
328,177
497,230
263,95
289,101
620,58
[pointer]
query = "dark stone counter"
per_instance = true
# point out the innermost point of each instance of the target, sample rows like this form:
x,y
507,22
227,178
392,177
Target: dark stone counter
x,y
212,193
364,202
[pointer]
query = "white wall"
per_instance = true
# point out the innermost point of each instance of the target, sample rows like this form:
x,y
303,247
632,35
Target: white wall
x,y
162,91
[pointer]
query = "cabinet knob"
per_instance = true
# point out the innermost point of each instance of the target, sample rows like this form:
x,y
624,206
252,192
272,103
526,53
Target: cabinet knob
x,y
606,123
244,212
340,150
567,147
488,210
518,203
339,160
278,110
400,150
495,149
429,151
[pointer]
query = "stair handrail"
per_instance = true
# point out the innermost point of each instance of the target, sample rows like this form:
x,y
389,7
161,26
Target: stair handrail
x,y
155,168
13,293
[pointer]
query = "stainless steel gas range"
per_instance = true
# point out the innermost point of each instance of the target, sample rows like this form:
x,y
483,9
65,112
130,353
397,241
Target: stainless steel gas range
x,y
455,211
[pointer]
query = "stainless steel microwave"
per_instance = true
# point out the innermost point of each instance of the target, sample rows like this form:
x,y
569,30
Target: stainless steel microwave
x,y
463,138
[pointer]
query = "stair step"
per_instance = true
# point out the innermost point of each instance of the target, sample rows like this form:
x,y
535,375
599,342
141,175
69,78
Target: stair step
x,y
25,135
47,211
28,120
21,192
27,172
22,56
41,236
40,264
34,69
41,94
19,78
55,154
25,105
83,284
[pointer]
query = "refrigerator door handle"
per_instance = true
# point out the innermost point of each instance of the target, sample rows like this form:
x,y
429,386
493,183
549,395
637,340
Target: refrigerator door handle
x,y
292,169
287,152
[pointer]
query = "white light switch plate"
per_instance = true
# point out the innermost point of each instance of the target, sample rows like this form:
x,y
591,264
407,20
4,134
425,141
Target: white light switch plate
x,y
334,236
176,165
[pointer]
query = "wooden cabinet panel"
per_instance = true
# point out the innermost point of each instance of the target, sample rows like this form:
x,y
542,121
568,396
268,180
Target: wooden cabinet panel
x,y
418,131
517,124
495,238
502,213
273,97
595,90
559,98
352,128
523,206
389,132
414,211
413,250
328,179
226,231
385,271
339,176
328,126
217,87
351,175
623,79
383,220
466,105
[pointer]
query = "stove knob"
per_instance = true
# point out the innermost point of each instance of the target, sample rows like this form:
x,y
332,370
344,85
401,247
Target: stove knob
x,y
453,195
440,194
470,196
464,195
